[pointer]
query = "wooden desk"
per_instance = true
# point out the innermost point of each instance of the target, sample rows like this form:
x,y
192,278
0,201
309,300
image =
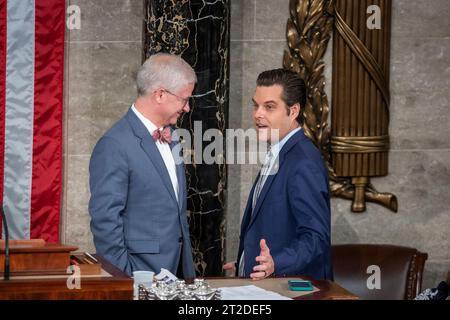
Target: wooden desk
x,y
36,257
328,290
117,285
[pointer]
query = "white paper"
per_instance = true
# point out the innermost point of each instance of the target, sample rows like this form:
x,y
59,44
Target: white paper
x,y
167,276
250,293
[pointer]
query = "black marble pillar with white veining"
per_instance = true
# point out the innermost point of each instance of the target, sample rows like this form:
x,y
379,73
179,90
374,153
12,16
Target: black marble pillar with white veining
x,y
199,31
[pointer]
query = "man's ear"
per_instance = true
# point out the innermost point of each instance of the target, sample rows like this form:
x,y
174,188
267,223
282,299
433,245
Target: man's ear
x,y
157,95
295,110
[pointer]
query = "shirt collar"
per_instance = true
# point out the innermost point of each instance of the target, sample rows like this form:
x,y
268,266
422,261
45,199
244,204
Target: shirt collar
x,y
151,127
276,148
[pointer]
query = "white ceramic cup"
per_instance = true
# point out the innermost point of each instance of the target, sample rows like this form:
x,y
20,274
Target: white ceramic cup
x,y
141,277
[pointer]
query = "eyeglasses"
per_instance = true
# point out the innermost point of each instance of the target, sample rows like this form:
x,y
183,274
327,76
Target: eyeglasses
x,y
184,100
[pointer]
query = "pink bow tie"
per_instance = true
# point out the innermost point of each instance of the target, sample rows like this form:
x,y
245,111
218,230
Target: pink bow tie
x,y
163,135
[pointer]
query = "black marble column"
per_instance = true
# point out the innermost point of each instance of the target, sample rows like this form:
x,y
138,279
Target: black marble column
x,y
199,31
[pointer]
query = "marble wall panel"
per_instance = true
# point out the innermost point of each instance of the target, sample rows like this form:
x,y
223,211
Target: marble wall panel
x,y
199,31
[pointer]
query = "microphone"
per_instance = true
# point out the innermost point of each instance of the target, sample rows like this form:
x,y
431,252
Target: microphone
x,y
5,227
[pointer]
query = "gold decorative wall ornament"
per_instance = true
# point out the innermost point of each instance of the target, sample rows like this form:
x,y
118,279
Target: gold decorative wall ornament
x,y
308,32
357,145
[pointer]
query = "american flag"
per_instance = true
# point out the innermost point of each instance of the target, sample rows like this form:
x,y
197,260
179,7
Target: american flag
x,y
31,95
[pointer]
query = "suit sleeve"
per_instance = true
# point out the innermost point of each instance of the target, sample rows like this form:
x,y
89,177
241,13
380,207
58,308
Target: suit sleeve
x,y
109,186
309,202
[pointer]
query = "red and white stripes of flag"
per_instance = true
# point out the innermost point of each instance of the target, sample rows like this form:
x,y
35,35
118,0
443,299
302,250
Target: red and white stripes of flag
x,y
31,101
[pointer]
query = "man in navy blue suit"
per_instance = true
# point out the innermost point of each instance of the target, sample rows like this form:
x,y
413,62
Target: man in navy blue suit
x,y
285,229
138,189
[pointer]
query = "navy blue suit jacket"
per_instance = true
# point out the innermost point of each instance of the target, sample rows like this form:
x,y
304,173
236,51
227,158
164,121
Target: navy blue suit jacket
x,y
292,214
136,220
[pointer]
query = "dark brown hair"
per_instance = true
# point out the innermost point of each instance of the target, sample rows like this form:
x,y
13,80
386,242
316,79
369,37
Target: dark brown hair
x,y
294,89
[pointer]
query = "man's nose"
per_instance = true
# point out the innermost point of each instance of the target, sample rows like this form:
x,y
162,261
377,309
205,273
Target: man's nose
x,y
186,107
257,112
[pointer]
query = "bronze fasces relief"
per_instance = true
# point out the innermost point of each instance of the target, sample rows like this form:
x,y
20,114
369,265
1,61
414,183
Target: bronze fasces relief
x,y
357,144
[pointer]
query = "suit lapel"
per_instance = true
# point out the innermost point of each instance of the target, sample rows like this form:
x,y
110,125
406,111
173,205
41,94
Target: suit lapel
x,y
248,211
261,197
180,169
150,148
181,184
181,177
281,157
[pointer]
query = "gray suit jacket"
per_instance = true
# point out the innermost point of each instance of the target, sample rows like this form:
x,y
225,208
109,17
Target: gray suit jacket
x,y
136,220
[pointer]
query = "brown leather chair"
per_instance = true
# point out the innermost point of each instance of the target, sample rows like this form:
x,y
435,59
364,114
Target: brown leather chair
x,y
401,270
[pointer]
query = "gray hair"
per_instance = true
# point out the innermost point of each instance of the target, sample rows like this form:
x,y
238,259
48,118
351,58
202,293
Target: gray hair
x,y
166,71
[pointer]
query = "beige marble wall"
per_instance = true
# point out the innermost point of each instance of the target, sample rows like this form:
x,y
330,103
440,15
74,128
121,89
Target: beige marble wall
x,y
420,113
101,60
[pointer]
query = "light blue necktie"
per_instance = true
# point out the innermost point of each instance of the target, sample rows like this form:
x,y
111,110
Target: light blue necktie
x,y
264,172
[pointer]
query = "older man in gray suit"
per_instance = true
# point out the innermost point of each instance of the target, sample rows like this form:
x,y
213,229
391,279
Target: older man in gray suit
x,y
138,189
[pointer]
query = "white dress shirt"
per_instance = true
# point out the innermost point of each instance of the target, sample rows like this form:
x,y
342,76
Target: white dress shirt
x,y
275,150
164,150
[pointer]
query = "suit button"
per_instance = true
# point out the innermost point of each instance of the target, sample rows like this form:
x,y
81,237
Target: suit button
x,y
180,239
